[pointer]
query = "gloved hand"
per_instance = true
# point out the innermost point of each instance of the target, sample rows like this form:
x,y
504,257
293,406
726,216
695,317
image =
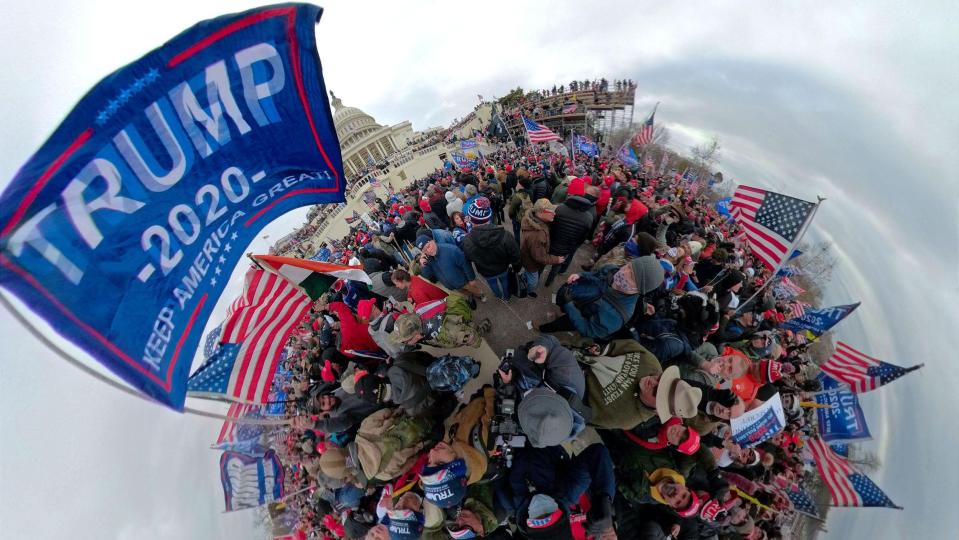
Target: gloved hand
x,y
600,515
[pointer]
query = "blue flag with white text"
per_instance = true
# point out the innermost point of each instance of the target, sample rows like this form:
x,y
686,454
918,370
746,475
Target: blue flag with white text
x,y
818,321
122,230
843,418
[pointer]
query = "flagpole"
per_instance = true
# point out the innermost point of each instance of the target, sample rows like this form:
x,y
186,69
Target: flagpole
x,y
792,247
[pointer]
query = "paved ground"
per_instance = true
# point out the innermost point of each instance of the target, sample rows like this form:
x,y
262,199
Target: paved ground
x,y
514,323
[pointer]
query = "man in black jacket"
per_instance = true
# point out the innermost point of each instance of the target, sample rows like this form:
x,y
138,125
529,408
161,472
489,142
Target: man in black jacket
x,y
491,248
570,227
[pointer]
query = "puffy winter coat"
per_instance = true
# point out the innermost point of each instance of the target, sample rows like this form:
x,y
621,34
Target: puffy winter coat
x,y
449,266
594,307
492,249
534,248
539,190
571,226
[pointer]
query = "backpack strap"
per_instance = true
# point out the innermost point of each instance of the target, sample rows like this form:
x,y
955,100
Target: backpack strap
x,y
607,296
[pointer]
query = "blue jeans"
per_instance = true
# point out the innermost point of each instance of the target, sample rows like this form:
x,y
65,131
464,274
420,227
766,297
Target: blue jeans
x,y
499,285
558,269
591,470
532,280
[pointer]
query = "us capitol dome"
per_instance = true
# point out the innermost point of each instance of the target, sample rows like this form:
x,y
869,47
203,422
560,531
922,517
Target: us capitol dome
x,y
363,142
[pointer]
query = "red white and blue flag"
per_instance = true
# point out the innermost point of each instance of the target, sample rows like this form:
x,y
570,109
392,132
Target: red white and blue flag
x,y
772,222
645,134
861,373
847,486
251,341
538,133
228,430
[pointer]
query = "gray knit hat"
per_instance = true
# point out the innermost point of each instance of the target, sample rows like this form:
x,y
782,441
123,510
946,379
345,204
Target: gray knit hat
x,y
648,273
545,417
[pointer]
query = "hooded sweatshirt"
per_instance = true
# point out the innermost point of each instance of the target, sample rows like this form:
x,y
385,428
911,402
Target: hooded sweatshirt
x,y
492,249
453,204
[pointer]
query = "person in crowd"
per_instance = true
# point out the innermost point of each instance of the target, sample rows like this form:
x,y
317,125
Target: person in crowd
x,y
493,250
534,250
570,227
447,264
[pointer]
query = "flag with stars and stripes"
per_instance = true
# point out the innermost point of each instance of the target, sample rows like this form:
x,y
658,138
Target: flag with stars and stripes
x,y
211,342
847,486
432,314
802,501
790,271
861,373
251,341
538,133
786,289
648,162
645,134
228,432
773,222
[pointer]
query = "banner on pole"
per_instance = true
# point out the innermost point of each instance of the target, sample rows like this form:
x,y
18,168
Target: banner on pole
x,y
843,418
250,481
759,425
122,229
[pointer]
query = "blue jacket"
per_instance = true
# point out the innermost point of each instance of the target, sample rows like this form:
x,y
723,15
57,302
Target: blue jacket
x,y
595,308
449,266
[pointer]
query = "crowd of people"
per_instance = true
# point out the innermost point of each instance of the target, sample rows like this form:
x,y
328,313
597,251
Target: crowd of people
x,y
613,422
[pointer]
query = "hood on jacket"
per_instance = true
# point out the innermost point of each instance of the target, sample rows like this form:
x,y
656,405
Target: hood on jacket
x,y
450,196
530,223
488,235
577,202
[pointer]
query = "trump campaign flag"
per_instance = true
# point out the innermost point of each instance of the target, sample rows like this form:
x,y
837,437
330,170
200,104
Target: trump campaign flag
x,y
817,321
250,481
123,227
841,418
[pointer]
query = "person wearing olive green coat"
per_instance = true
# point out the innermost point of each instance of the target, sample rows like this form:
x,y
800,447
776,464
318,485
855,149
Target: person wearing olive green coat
x,y
614,387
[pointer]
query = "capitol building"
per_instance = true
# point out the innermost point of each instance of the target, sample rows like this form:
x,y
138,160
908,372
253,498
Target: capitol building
x,y
363,142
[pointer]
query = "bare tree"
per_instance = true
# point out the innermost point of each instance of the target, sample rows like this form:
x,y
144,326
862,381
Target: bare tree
x,y
817,262
706,155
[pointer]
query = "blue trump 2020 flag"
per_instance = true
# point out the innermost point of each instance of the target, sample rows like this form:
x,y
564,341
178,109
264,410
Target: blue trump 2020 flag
x,y
843,418
818,321
122,230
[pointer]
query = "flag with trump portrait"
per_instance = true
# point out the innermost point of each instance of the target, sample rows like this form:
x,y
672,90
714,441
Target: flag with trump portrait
x,y
250,481
121,231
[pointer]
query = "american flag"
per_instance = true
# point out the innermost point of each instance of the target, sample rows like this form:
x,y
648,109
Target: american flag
x,y
375,182
802,501
538,133
648,162
797,309
212,340
645,134
860,372
251,341
786,289
847,486
772,222
228,432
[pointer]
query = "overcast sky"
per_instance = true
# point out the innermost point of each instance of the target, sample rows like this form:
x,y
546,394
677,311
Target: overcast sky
x,y
855,102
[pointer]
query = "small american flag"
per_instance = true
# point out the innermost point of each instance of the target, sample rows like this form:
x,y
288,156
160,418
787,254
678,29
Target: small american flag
x,y
797,309
860,372
802,501
228,431
648,162
847,486
645,134
786,289
375,182
538,133
663,163
772,222
252,339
